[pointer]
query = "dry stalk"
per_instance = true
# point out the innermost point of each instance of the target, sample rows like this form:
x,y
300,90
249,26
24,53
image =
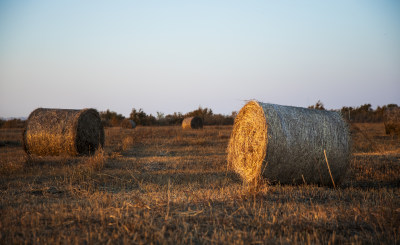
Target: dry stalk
x,y
330,173
168,200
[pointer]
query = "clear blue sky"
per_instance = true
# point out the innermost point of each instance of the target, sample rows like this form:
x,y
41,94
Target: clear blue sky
x,y
172,56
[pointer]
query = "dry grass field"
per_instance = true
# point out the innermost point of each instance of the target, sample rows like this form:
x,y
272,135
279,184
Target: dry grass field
x,y
165,185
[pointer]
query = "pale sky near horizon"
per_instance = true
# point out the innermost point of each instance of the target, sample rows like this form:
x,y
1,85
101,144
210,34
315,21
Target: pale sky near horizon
x,y
174,56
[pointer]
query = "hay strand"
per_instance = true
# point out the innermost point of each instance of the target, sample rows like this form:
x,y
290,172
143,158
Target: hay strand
x,y
192,123
63,131
286,144
329,169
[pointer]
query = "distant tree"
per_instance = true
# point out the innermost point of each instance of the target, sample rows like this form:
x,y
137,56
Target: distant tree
x,y
161,120
380,111
12,123
174,119
318,106
138,116
346,112
141,118
365,113
160,115
365,108
200,112
209,118
111,118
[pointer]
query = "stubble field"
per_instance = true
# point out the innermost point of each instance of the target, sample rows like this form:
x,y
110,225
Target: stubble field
x,y
166,185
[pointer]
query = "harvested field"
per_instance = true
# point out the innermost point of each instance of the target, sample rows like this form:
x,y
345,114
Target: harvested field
x,y
168,185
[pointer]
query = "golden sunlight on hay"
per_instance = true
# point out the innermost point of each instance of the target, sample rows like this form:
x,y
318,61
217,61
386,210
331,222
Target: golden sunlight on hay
x,y
63,131
192,123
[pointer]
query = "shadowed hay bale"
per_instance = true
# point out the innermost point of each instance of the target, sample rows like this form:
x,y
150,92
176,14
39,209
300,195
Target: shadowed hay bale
x,y
286,144
192,122
127,123
391,120
63,131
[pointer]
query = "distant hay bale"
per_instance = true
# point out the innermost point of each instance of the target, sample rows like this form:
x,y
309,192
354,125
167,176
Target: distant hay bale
x,y
127,123
63,131
391,120
192,122
286,144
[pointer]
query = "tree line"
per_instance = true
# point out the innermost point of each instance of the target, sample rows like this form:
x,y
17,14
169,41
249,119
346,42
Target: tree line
x,y
363,113
113,119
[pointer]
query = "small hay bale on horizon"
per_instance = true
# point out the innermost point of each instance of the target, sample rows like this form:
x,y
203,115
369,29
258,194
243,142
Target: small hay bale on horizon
x,y
63,131
128,123
192,123
286,144
391,120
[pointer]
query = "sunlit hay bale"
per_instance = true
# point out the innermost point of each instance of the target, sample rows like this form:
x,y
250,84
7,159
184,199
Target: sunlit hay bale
x,y
286,144
63,131
192,123
391,120
127,123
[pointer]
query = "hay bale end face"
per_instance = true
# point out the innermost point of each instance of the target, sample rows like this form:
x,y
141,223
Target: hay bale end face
x,y
63,131
391,120
192,123
127,123
286,144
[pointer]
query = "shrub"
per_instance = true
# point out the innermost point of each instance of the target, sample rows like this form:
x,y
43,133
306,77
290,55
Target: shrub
x,y
111,118
12,123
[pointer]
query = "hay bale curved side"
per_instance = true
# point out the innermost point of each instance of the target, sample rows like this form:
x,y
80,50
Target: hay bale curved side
x,y
63,131
391,120
127,123
192,123
286,144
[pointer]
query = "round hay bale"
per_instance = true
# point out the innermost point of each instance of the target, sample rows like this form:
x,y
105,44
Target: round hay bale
x,y
391,120
286,144
192,123
63,131
127,123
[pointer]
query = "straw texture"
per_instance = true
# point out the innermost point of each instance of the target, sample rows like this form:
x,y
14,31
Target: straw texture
x,y
63,131
286,144
392,120
192,123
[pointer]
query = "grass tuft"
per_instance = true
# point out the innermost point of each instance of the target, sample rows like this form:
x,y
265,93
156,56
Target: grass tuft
x,y
97,161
